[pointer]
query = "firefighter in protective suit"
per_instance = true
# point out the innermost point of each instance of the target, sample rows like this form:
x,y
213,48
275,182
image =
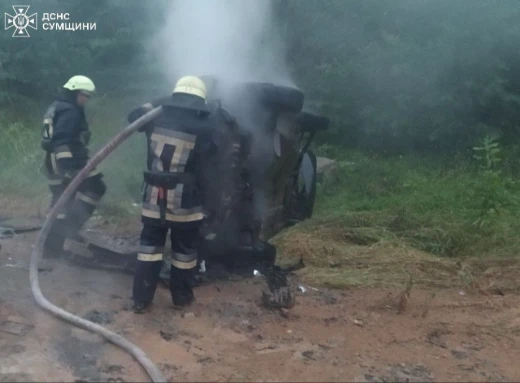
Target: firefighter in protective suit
x,y
180,141
64,138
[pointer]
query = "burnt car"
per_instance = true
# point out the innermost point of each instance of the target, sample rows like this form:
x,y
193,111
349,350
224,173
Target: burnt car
x,y
265,177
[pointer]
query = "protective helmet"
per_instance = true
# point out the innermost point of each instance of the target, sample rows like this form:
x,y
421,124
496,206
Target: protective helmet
x,y
191,85
80,83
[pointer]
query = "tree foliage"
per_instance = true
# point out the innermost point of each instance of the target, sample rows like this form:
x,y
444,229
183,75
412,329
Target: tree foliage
x,y
411,75
394,75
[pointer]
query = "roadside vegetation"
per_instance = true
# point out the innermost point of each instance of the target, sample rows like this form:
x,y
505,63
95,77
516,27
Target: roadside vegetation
x,y
447,207
379,220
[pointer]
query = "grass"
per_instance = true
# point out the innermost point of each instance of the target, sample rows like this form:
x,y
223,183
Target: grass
x,y
334,261
436,207
379,220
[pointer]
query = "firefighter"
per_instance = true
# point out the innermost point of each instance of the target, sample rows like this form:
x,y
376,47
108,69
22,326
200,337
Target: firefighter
x,y
65,136
180,141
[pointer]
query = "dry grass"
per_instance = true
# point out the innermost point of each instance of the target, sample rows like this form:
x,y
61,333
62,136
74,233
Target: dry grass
x,y
345,257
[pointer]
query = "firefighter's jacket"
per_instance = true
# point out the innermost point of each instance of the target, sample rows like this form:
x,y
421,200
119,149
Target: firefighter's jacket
x,y
65,136
180,142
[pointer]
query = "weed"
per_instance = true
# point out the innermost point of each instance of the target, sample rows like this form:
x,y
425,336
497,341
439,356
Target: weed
x,y
491,190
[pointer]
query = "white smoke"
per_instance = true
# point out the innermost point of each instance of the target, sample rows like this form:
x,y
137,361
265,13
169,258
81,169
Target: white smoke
x,y
234,40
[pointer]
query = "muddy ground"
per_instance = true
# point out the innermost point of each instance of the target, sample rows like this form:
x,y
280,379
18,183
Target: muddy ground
x,y
367,335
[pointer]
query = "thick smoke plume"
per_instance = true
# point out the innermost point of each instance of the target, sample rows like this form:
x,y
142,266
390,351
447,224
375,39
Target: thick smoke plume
x,y
234,40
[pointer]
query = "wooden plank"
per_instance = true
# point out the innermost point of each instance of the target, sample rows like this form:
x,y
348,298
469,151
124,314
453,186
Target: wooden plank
x,y
99,241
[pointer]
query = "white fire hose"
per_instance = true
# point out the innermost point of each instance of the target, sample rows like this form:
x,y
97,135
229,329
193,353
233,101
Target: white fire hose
x,y
151,369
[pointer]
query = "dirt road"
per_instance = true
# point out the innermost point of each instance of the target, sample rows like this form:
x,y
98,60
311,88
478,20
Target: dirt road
x,y
355,335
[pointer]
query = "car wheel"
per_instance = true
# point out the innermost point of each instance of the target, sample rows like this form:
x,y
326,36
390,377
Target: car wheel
x,y
307,191
281,97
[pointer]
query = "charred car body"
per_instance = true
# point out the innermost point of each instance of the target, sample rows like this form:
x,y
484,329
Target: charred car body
x,y
266,176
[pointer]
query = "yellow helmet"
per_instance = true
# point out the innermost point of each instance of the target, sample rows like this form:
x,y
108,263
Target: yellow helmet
x,y
80,83
191,85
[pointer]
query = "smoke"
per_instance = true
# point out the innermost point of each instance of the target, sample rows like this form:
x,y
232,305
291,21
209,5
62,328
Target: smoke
x,y
233,40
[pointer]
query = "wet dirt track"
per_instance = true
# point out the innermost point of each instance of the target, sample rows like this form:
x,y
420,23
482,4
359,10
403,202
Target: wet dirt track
x,y
226,336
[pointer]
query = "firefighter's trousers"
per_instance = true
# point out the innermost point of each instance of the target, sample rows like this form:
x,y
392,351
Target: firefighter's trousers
x,y
184,241
78,209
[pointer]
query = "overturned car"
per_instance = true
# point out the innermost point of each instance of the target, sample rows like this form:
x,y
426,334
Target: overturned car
x,y
266,176
263,179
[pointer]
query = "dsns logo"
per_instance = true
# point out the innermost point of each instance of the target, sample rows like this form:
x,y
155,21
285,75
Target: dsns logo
x,y
21,21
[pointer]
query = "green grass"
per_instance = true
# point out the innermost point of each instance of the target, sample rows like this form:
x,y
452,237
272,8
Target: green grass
x,y
379,220
435,206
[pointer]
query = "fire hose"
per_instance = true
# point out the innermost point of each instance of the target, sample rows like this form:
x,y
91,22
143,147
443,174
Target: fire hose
x,y
151,369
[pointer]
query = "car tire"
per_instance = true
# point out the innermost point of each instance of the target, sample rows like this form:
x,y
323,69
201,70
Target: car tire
x,y
308,204
281,97
300,197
